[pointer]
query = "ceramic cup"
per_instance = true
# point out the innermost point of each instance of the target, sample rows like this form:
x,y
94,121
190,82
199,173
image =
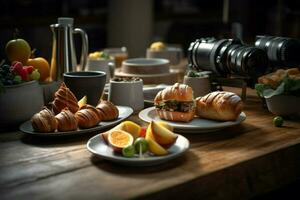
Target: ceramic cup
x,y
89,83
200,85
127,93
107,66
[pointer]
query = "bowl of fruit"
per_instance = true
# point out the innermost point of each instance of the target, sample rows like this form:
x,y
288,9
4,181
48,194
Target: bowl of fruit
x,y
20,94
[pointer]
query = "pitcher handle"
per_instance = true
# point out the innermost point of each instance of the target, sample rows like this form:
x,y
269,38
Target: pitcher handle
x,y
84,49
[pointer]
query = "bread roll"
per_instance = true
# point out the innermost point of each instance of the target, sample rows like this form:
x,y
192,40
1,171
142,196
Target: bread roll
x,y
221,106
88,116
66,121
44,121
179,92
64,97
108,110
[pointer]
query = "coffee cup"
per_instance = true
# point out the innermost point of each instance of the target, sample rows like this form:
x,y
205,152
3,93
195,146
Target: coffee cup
x,y
127,93
86,83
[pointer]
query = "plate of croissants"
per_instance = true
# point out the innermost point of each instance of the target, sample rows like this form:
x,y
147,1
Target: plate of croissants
x,y
177,106
66,117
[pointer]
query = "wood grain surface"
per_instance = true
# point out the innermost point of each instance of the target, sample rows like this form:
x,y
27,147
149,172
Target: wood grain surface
x,y
235,163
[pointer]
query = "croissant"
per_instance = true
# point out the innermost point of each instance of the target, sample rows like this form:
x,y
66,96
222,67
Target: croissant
x,y
66,120
222,106
108,110
44,121
64,97
88,116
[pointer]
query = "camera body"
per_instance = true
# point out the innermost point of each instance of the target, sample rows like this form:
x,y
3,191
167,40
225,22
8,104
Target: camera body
x,y
226,57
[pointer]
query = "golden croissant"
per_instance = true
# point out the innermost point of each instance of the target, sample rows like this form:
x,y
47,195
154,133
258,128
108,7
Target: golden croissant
x,y
44,121
108,110
64,97
66,120
88,116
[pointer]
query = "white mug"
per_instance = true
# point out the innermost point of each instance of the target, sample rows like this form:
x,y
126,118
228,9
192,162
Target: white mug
x,y
127,93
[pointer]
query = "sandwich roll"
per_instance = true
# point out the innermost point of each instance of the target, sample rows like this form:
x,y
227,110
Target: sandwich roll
x,y
175,103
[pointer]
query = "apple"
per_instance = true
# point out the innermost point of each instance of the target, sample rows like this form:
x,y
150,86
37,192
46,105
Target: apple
x,y
162,135
154,147
18,50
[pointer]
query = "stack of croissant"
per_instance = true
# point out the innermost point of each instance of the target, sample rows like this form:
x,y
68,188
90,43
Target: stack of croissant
x,y
66,115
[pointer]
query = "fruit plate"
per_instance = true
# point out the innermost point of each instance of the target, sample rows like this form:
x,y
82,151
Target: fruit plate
x,y
197,125
124,112
97,146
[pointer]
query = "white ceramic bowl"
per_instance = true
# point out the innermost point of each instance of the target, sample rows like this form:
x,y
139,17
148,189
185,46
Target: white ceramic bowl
x,y
146,66
283,105
19,103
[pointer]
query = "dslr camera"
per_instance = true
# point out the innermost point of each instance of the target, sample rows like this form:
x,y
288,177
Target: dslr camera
x,y
231,57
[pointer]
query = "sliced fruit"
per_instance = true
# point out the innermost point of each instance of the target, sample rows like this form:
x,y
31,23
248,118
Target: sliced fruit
x,y
82,102
141,145
162,135
154,147
128,151
105,137
119,139
166,125
132,128
105,134
143,132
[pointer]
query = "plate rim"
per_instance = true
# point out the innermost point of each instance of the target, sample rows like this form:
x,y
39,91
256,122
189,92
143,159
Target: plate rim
x,y
128,112
143,116
153,160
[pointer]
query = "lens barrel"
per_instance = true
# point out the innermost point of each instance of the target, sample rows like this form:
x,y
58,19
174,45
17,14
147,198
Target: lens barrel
x,y
227,56
281,51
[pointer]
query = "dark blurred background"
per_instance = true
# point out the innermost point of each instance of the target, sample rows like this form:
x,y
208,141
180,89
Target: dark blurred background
x,y
135,23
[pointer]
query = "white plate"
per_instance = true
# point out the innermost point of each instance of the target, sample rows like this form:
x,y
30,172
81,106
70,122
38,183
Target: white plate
x,y
197,125
124,112
97,146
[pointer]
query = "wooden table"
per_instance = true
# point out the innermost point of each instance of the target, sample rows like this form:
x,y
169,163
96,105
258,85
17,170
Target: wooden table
x,y
235,163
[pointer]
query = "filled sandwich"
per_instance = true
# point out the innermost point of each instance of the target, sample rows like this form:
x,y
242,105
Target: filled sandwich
x,y
175,103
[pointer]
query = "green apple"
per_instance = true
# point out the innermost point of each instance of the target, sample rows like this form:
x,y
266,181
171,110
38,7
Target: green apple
x,y
18,50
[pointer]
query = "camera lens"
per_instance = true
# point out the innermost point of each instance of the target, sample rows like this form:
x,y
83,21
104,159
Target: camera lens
x,y
281,51
227,56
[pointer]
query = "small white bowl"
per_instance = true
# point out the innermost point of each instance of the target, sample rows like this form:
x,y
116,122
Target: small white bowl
x,y
146,66
283,105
